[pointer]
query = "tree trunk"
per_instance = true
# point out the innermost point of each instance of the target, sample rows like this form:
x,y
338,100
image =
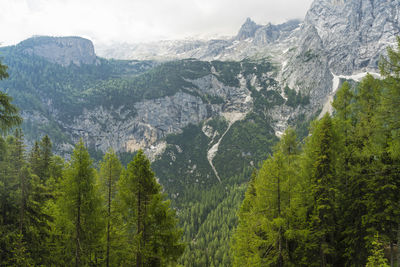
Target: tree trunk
x,y
109,215
22,208
78,226
323,256
398,245
139,254
391,255
280,260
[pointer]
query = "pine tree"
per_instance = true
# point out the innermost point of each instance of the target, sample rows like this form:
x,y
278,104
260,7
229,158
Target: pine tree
x,y
9,116
46,155
321,174
79,222
265,232
151,225
110,172
351,186
8,203
390,126
244,246
35,160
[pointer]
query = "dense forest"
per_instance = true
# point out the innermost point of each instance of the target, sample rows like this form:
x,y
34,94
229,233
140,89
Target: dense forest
x,y
332,199
55,213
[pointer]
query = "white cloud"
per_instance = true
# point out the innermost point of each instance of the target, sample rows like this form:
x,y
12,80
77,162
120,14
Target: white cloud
x,y
106,21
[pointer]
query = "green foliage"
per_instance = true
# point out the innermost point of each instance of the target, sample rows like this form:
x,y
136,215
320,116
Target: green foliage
x,y
246,143
208,218
79,218
294,99
150,222
184,161
9,116
377,257
344,186
263,236
55,214
109,174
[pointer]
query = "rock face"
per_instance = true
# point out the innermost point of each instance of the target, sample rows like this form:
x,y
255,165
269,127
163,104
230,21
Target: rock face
x,y
339,37
102,128
247,30
354,33
61,50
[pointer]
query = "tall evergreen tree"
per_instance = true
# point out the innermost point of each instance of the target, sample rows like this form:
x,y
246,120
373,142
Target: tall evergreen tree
x,y
78,220
244,244
150,222
8,204
34,159
265,232
9,116
389,118
110,172
46,155
320,155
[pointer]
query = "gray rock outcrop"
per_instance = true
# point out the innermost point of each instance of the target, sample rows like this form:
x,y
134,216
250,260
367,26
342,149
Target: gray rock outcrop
x,y
355,33
60,50
247,30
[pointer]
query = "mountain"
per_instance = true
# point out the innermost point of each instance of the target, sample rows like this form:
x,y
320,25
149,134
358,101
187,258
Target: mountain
x,y
336,38
60,50
205,112
252,41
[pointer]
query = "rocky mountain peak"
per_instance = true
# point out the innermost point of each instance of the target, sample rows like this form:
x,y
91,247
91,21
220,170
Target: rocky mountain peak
x,y
60,50
247,30
355,33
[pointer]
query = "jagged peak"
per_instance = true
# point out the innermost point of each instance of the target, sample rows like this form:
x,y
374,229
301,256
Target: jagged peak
x,y
247,30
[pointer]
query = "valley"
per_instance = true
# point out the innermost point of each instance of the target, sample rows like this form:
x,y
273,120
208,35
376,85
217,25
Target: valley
x,y
207,113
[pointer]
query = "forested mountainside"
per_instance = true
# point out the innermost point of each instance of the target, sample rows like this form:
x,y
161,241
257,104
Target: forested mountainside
x,y
333,200
209,116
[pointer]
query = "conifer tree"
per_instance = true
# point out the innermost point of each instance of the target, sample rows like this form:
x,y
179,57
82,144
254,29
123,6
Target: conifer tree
x,y
151,225
389,118
351,187
8,204
265,232
321,174
35,160
79,221
9,116
110,172
244,245
45,157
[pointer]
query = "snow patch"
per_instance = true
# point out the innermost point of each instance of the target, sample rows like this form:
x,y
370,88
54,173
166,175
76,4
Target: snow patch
x,y
335,86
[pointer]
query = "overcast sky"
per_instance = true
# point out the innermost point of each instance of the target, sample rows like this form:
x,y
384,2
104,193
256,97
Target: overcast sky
x,y
108,21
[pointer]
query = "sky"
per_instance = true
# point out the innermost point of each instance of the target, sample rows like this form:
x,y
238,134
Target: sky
x,y
131,21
